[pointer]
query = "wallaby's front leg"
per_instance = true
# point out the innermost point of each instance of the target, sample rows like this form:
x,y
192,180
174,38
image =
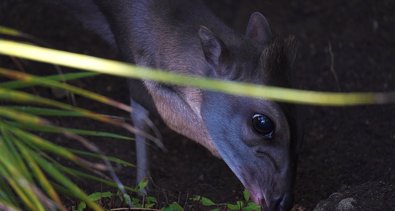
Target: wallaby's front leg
x,y
139,117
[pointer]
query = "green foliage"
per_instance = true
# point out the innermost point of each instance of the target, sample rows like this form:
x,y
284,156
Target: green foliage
x,y
150,202
30,177
203,201
93,197
246,195
173,207
245,205
142,185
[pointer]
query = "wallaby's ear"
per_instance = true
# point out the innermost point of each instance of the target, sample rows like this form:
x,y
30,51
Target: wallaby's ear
x,y
258,28
211,45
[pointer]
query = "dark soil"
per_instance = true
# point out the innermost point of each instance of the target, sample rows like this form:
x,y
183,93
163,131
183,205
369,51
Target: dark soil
x,y
343,46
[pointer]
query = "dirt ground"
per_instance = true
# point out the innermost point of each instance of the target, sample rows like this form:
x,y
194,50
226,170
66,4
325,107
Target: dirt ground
x,y
343,46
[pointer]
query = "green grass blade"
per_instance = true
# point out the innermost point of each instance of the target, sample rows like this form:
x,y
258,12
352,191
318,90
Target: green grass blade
x,y
9,143
22,187
11,32
6,194
21,193
36,140
112,159
90,177
51,170
21,117
54,129
42,81
63,77
45,145
45,111
229,87
79,174
7,206
40,176
21,97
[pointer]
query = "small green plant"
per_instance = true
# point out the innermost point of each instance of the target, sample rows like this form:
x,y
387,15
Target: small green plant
x,y
139,201
173,207
203,201
143,201
245,205
147,202
32,166
97,196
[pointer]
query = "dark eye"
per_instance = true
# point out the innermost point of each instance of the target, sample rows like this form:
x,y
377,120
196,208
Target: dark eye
x,y
263,125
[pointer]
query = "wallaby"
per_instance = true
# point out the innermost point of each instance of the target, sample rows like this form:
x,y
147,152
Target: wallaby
x,y
256,138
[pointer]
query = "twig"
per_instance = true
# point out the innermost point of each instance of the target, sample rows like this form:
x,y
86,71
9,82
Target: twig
x,y
332,67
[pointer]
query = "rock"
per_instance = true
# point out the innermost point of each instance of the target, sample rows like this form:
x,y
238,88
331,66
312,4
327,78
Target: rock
x,y
370,196
346,204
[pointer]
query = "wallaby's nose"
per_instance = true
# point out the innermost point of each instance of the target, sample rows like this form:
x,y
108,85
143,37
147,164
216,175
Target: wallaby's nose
x,y
287,202
283,203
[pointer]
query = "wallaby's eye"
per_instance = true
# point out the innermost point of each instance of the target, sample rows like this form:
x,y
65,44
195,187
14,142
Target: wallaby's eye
x,y
263,125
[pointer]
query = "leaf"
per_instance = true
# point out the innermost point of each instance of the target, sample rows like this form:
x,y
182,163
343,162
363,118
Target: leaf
x,y
81,174
81,206
54,129
94,197
112,159
252,207
173,207
10,32
246,195
151,199
142,185
233,207
45,111
195,198
136,202
44,144
41,177
99,195
203,200
206,202
42,81
16,179
57,175
238,206
6,206
62,77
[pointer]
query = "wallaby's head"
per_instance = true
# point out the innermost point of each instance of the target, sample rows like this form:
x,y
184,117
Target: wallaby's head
x,y
254,137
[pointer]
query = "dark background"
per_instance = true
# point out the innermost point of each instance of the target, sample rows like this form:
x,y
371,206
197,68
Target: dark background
x,y
343,46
